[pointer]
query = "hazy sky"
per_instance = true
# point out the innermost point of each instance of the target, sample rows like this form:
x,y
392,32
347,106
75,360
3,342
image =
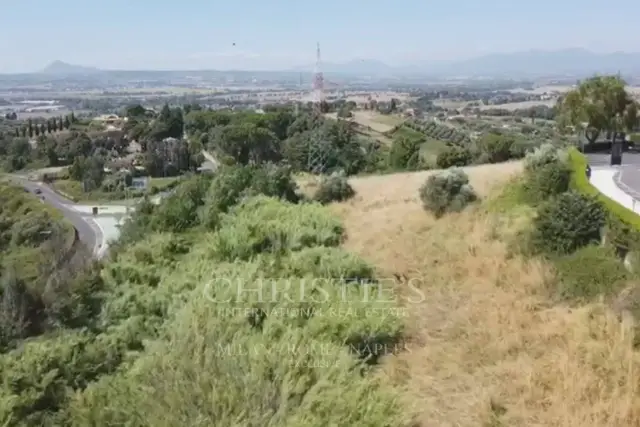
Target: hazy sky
x,y
276,34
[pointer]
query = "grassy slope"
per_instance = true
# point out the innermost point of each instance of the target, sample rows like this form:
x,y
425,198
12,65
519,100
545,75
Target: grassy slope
x,y
17,206
486,346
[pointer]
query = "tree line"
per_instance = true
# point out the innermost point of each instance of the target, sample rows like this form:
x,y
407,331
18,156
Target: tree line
x,y
55,124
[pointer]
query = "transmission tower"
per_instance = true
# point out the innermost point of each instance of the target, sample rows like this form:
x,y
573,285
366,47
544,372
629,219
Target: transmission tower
x,y
318,150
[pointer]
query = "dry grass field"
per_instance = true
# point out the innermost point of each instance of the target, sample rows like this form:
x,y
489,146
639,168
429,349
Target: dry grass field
x,y
377,122
486,346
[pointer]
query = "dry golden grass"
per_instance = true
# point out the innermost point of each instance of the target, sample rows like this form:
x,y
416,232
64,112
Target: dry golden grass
x,y
486,347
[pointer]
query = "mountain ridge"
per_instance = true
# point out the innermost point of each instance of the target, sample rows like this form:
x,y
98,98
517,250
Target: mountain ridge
x,y
60,67
570,61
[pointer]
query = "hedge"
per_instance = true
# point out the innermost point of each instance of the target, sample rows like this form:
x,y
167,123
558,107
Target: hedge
x,y
579,182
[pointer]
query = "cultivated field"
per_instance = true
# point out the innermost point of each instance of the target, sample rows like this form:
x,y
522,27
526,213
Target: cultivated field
x,y
486,346
520,105
377,122
450,104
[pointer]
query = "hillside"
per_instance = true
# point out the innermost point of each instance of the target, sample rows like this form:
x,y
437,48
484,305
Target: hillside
x,y
63,68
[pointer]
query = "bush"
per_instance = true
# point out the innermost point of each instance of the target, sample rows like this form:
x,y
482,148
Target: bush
x,y
589,272
268,225
234,183
405,153
521,148
543,155
335,188
547,181
567,223
497,147
454,156
447,191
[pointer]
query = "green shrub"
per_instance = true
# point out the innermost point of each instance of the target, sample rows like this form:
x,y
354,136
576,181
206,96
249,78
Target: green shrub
x,y
327,262
522,147
213,371
546,181
447,191
496,147
454,156
405,153
335,188
566,223
263,224
234,183
543,155
589,272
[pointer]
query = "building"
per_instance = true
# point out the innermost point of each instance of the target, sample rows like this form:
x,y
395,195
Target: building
x,y
110,120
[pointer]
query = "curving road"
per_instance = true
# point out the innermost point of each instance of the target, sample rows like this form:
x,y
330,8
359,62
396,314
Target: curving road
x,y
88,231
627,177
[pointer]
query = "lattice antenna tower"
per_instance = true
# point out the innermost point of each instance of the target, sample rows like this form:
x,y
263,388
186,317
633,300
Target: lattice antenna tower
x,y
318,80
318,151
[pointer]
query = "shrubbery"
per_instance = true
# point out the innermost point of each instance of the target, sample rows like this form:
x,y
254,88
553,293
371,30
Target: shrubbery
x,y
547,174
405,153
589,272
454,156
547,181
544,155
335,188
447,191
567,228
567,223
227,288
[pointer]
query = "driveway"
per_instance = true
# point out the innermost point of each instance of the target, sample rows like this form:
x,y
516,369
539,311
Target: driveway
x,y
627,175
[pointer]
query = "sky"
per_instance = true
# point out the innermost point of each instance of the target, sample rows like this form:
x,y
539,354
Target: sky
x,y
280,34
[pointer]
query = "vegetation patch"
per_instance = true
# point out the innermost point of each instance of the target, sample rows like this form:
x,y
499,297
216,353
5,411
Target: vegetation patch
x,y
447,191
28,226
590,272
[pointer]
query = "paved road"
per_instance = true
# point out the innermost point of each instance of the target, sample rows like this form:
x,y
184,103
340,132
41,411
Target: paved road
x,y
628,175
88,232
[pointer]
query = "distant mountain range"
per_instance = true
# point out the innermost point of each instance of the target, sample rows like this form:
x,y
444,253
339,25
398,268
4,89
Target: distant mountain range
x,y
62,68
533,63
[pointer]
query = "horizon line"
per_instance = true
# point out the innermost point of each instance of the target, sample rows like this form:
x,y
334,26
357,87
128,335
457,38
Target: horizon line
x,y
297,68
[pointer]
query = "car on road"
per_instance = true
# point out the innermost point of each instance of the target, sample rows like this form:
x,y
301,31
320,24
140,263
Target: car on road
x,y
37,191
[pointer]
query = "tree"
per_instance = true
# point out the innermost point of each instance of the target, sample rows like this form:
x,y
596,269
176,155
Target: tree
x,y
247,143
405,153
135,111
599,104
496,146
